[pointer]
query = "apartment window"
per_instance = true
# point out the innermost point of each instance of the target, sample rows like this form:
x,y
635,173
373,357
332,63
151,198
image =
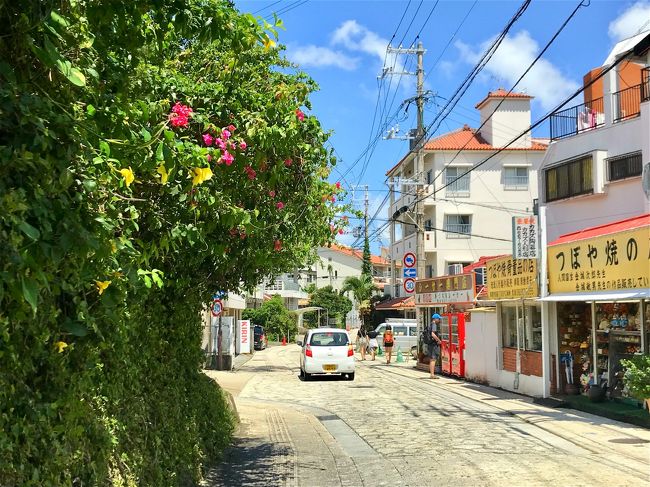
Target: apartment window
x,y
428,226
429,176
429,271
569,179
481,276
516,178
458,226
624,166
457,187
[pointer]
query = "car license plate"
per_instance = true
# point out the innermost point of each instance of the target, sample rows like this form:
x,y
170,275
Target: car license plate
x,y
329,368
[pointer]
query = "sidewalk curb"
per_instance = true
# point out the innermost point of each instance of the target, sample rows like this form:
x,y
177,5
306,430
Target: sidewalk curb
x,y
233,406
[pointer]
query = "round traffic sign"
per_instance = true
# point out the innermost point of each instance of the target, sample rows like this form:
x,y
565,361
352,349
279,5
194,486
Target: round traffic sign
x,y
409,285
216,308
409,259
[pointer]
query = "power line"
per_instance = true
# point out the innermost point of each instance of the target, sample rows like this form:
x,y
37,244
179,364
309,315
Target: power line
x,y
288,8
411,23
541,53
267,7
426,21
533,126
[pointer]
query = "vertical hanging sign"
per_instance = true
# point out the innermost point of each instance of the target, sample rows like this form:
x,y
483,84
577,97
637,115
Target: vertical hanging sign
x,y
244,344
524,237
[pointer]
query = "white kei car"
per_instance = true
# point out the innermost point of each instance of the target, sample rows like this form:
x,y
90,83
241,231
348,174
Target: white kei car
x,y
326,351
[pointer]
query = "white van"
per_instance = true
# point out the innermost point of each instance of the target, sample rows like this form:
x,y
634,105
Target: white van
x,y
405,333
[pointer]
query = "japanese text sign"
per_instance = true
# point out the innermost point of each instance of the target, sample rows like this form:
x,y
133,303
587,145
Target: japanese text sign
x,y
445,290
610,262
524,237
509,278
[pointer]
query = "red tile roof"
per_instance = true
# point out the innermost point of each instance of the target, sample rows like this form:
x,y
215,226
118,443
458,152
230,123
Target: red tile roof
x,y
467,138
374,259
407,302
599,231
501,93
481,262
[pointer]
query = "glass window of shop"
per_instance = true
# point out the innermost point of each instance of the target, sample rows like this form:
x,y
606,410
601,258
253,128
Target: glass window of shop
x,y
529,320
593,356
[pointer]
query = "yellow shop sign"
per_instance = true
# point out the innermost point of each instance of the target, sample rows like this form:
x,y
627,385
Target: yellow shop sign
x,y
603,263
509,278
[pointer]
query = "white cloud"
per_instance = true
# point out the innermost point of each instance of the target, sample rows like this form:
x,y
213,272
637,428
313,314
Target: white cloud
x,y
320,57
544,81
356,37
630,21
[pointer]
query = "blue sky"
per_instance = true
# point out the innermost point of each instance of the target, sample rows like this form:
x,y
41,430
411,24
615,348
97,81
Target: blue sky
x,y
341,45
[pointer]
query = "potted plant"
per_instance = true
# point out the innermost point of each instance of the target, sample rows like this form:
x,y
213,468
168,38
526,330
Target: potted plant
x,y
637,377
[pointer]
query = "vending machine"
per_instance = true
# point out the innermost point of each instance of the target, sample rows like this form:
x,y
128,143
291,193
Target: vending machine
x,y
452,348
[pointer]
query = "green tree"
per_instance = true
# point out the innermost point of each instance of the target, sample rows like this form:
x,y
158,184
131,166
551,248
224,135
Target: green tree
x,y
274,316
337,305
120,215
362,289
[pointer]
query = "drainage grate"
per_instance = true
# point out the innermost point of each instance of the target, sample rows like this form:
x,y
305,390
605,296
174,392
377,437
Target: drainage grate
x,y
329,417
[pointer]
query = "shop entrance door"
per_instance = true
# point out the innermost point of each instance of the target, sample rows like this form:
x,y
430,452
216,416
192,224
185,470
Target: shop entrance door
x,y
445,345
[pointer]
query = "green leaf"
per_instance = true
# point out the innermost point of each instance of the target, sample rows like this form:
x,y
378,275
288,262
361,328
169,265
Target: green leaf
x,y
29,230
160,156
75,328
155,275
59,19
146,135
92,73
7,72
30,292
105,148
169,135
90,110
90,185
73,75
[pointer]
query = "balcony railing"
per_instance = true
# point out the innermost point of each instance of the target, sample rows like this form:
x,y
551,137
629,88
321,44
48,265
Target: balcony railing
x,y
628,103
579,118
645,84
457,187
458,230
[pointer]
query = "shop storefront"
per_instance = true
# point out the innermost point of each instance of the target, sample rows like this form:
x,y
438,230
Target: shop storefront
x,y
513,286
450,296
599,306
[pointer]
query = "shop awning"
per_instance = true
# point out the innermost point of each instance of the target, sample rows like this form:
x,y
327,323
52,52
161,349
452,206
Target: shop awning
x,y
600,296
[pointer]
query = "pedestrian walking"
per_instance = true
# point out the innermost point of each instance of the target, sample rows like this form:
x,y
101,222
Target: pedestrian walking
x,y
388,343
362,342
432,341
373,344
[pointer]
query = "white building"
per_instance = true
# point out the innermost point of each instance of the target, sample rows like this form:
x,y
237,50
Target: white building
x,y
592,196
470,217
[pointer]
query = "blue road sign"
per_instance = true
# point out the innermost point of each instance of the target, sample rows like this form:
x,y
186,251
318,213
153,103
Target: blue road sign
x,y
410,272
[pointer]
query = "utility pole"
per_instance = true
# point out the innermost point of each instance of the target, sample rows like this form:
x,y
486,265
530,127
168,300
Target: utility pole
x,y
365,214
418,146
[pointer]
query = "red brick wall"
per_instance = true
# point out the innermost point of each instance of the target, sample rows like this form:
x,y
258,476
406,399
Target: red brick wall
x,y
531,362
510,359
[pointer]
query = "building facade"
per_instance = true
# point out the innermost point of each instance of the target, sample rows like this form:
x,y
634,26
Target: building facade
x,y
468,215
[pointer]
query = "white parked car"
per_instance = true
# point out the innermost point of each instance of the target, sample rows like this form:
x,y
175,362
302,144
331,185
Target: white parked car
x,y
326,351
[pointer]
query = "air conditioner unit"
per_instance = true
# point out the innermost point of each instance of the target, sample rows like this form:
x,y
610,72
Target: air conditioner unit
x,y
454,269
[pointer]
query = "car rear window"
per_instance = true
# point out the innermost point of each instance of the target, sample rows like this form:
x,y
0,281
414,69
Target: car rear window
x,y
329,339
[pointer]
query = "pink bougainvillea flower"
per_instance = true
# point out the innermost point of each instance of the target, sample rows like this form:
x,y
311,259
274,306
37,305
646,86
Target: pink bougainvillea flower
x,y
272,194
299,114
251,172
338,185
288,162
231,127
219,143
227,157
208,139
279,205
209,157
180,109
242,145
178,120
332,199
340,231
225,134
277,245
231,145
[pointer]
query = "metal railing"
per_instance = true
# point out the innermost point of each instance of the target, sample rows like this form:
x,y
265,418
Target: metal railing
x,y
515,182
458,230
627,102
459,187
624,166
579,118
645,84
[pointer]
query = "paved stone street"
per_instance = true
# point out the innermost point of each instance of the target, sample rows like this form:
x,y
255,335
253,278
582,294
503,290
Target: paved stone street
x,y
394,426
